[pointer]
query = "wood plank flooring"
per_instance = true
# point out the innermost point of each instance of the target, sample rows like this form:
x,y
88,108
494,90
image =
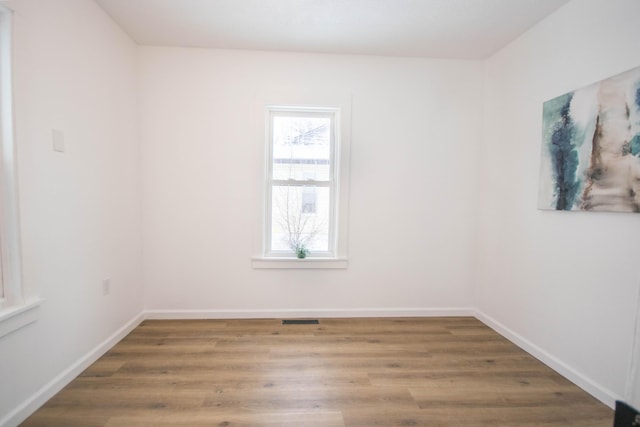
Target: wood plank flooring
x,y
341,372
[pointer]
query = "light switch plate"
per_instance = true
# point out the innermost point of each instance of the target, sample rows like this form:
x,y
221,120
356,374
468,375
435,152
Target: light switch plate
x,y
58,140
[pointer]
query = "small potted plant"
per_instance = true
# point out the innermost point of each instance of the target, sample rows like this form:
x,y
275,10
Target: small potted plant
x,y
301,251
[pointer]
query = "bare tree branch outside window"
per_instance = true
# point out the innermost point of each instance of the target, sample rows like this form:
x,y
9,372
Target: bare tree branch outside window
x,y
301,228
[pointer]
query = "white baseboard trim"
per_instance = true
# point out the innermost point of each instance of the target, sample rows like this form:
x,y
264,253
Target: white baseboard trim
x,y
596,390
306,313
45,393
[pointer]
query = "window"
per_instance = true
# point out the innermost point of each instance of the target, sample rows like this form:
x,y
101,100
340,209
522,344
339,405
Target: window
x,y
15,310
10,293
305,191
301,182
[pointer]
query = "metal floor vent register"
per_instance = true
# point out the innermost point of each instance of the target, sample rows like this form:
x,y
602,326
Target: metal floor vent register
x,y
300,322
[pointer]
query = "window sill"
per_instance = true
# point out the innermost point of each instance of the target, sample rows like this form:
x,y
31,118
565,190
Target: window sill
x,y
14,318
295,263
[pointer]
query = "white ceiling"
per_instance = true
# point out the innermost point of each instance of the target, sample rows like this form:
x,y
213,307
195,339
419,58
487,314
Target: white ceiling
x,y
467,29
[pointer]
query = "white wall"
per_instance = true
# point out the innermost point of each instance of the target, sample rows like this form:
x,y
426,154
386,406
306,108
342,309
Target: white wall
x,y
415,134
75,71
566,282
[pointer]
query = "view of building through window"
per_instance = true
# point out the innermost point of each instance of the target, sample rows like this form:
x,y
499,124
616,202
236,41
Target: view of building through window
x,y
301,181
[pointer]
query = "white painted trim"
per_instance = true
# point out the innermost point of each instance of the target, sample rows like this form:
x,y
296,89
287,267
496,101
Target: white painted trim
x,y
290,262
47,391
16,317
306,313
596,390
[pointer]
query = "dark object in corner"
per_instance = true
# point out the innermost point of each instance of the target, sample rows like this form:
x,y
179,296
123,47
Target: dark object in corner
x,y
626,416
300,322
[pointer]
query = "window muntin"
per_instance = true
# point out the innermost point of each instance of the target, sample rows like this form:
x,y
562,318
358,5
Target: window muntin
x,y
302,183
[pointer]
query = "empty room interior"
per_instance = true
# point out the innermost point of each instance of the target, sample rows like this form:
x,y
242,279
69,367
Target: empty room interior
x,y
180,177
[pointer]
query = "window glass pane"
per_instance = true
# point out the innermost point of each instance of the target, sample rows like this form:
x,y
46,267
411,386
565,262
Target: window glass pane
x,y
309,197
301,146
300,216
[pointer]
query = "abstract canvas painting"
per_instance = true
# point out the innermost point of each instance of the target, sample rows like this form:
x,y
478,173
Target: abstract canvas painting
x,y
591,147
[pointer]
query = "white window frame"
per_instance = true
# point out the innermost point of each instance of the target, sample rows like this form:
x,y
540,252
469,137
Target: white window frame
x,y
16,308
332,183
340,108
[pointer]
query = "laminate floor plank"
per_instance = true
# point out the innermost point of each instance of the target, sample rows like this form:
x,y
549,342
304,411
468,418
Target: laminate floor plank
x,y
338,373
235,419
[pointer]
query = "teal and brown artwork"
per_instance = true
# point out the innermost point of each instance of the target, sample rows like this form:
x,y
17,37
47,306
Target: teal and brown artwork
x,y
591,147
